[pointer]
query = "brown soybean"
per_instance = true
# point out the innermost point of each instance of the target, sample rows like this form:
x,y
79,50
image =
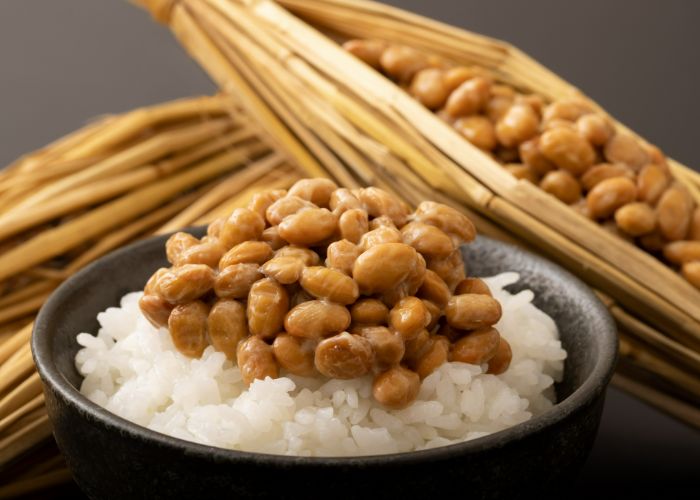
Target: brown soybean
x,y
308,226
185,283
595,129
242,225
434,289
369,51
343,200
383,267
497,106
344,356
434,357
329,284
680,252
470,97
470,311
381,221
260,202
623,148
306,255
188,328
268,302
674,212
450,268
691,272
318,191
284,207
636,219
567,150
379,202
417,346
501,360
402,62
408,317
235,281
434,312
456,76
472,285
369,312
447,219
341,255
428,87
531,156
247,252
155,309
517,125
151,286
214,228
478,130
396,388
655,155
378,236
603,171
177,244
535,101
316,319
353,223
609,195
410,284
388,346
271,236
285,270
502,90
426,239
566,109
227,326
256,360
477,347
651,183
207,252
294,354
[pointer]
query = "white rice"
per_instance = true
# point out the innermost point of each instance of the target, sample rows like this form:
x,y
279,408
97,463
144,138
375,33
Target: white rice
x,y
133,370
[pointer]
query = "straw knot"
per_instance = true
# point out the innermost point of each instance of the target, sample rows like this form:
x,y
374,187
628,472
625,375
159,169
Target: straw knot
x,y
161,10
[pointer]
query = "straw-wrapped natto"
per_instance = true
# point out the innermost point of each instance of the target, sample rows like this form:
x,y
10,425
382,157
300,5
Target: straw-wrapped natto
x,y
329,101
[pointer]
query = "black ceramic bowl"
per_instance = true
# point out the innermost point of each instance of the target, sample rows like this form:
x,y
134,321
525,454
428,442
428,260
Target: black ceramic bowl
x,y
113,458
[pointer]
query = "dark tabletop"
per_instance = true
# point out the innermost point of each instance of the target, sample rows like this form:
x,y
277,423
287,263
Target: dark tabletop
x,y
64,62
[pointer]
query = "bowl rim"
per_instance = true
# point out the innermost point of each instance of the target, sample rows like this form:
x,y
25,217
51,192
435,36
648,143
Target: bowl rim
x,y
593,385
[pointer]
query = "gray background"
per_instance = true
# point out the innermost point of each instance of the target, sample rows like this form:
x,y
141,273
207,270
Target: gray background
x,y
64,62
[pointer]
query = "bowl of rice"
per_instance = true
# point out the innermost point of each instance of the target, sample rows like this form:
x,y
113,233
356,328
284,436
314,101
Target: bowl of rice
x,y
136,418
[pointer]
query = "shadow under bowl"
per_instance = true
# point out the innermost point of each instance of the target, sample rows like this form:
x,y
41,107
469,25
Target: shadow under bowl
x,y
113,458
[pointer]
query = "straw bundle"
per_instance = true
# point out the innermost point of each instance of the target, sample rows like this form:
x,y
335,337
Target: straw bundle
x,y
328,109
119,179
